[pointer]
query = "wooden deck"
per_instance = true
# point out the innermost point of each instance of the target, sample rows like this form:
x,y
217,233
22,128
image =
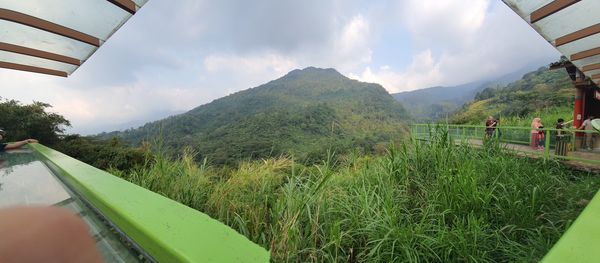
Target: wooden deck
x,y
590,163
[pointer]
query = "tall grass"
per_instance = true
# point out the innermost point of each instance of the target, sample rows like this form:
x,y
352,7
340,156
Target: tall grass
x,y
419,202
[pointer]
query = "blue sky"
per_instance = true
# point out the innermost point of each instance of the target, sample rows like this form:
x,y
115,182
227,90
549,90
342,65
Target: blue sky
x,y
175,55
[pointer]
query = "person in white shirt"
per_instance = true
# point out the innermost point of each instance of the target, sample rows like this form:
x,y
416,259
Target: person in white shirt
x,y
589,135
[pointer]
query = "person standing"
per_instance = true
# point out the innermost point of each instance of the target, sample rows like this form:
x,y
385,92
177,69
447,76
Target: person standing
x,y
589,135
490,127
536,125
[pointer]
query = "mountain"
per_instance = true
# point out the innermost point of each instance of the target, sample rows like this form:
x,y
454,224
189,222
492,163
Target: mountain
x,y
538,92
431,104
437,102
304,113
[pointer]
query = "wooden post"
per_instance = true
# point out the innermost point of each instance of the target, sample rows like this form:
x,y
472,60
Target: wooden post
x,y
547,145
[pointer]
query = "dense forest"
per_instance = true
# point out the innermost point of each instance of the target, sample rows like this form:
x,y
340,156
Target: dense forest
x,y
305,113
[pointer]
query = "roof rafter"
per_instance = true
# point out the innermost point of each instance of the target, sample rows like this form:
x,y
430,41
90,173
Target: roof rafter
x,y
41,24
591,67
585,54
21,67
126,5
583,33
550,9
39,53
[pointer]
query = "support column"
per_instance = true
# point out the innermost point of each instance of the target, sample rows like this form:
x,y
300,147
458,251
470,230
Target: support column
x,y
578,110
578,116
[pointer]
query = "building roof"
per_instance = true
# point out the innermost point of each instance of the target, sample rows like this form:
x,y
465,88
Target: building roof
x,y
572,26
56,36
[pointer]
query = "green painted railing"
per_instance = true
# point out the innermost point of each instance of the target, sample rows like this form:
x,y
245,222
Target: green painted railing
x,y
516,136
167,230
581,242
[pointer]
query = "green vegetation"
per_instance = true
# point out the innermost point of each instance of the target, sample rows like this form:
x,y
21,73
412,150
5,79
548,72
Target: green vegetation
x,y
438,103
542,93
303,114
103,154
23,121
30,121
419,202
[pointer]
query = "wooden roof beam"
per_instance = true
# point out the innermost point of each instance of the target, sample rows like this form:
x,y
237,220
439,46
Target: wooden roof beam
x,y
585,54
591,67
126,5
550,9
583,33
33,69
39,53
41,24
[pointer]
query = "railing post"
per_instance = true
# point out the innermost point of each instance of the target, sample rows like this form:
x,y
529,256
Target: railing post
x,y
547,145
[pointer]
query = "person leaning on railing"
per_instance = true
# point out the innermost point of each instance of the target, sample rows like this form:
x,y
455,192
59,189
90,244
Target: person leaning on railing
x,y
14,145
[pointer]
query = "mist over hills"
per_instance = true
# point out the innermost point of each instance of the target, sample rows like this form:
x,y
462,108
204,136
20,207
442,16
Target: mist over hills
x,y
304,113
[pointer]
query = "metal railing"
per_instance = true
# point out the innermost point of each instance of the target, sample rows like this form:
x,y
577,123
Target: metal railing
x,y
563,144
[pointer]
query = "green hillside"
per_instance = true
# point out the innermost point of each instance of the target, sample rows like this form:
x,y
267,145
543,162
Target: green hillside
x,y
541,93
436,103
304,113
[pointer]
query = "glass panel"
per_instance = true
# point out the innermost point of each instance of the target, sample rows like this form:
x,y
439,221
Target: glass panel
x,y
526,7
580,45
573,18
140,3
17,34
94,17
36,62
24,180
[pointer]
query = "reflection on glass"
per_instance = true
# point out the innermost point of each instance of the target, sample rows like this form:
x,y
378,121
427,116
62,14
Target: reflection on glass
x,y
27,180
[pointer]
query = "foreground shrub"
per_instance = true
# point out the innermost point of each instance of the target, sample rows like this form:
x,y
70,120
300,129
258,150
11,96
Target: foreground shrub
x,y
419,202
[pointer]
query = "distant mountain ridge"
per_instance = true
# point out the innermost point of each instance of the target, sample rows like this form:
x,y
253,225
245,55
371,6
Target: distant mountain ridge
x,y
305,113
431,104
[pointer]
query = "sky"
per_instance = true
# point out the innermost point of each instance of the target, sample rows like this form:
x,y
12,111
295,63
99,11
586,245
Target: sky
x,y
173,56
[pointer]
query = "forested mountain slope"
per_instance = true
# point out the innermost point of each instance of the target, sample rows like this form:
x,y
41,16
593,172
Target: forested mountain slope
x,y
436,103
537,92
304,113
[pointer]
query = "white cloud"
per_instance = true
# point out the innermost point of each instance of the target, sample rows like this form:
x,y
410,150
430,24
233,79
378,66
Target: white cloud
x,y
352,47
423,71
250,64
443,22
462,41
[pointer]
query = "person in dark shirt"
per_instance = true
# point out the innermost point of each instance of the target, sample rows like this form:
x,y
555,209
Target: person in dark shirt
x,y
490,126
14,145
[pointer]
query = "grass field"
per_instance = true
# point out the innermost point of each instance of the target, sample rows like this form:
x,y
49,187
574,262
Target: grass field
x,y
419,202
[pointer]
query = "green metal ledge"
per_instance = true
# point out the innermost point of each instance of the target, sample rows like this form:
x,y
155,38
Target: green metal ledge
x,y
581,242
167,230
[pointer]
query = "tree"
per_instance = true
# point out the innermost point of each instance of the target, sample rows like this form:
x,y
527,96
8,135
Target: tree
x,y
22,121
